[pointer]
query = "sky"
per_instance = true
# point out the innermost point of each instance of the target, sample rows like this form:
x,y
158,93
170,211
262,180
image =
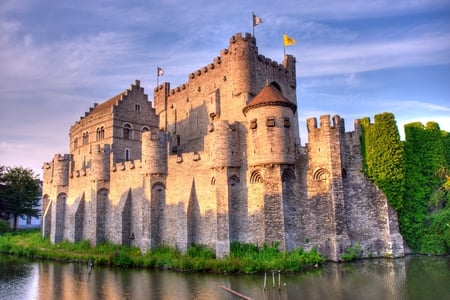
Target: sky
x,y
354,58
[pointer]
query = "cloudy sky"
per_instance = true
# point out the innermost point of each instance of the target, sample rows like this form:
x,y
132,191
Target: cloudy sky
x,y
354,58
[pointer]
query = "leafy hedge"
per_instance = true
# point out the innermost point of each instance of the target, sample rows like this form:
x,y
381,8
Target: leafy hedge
x,y
414,176
383,156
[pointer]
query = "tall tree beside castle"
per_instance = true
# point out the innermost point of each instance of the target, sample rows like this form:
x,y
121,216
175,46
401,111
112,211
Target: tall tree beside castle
x,y
19,194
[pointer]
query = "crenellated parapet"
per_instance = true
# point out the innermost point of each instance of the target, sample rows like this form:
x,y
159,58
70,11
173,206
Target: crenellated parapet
x,y
126,165
336,123
242,51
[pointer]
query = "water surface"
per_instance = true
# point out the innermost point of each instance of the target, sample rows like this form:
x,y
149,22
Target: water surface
x,y
413,277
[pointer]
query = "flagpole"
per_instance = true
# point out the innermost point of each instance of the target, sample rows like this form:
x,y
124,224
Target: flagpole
x,y
284,46
157,76
253,23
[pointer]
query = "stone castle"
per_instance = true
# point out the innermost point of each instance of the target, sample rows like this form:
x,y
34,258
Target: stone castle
x,y
215,160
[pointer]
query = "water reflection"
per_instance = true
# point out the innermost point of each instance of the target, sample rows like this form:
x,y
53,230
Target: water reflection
x,y
409,278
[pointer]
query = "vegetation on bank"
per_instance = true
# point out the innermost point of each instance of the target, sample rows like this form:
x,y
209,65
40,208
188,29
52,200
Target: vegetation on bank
x,y
415,177
243,258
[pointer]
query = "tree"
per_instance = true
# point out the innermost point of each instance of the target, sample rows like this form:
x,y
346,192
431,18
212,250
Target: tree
x,y
19,193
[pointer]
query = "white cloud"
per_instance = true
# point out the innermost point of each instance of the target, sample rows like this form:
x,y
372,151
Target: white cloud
x,y
333,59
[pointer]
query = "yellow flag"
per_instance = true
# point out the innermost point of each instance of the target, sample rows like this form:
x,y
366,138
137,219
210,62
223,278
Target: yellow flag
x,y
287,40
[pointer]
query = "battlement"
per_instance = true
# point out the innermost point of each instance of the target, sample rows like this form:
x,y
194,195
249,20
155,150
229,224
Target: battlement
x,y
248,41
126,165
238,37
61,157
336,122
105,149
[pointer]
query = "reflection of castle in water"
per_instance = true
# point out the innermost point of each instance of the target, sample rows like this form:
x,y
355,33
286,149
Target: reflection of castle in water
x,y
369,279
215,160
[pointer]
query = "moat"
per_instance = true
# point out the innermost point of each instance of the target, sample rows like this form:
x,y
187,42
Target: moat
x,y
412,277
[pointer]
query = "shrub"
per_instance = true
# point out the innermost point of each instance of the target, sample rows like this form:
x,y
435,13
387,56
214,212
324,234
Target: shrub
x,y
352,253
4,226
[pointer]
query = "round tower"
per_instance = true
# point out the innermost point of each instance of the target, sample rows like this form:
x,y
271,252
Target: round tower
x,y
61,169
271,137
100,163
242,62
154,152
224,145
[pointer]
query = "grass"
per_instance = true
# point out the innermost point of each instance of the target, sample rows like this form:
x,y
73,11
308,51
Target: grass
x,y
244,258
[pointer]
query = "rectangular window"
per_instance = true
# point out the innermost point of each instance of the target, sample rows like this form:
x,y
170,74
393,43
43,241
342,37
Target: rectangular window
x,y
270,122
253,124
137,107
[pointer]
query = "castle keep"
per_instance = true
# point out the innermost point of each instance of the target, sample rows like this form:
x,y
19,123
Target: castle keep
x,y
215,160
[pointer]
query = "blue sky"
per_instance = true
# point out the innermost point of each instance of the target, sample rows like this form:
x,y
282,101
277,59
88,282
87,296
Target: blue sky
x,y
354,58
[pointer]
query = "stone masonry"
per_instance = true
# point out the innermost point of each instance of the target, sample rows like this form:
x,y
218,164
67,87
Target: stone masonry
x,y
215,160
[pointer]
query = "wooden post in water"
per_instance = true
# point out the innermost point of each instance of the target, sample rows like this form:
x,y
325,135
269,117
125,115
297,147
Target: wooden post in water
x,y
265,280
273,278
279,280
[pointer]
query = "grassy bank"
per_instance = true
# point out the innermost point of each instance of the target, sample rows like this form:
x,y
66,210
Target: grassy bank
x,y
243,258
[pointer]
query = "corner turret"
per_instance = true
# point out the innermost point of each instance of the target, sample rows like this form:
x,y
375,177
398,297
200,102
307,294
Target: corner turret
x,y
100,167
272,134
61,165
154,152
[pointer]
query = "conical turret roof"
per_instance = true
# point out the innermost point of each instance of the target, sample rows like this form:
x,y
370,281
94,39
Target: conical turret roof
x,y
269,95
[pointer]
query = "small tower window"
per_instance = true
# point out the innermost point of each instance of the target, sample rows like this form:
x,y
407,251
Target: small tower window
x,y
270,122
287,122
75,142
127,154
253,124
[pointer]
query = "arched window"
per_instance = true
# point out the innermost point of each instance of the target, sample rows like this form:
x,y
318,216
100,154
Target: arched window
x,y
127,131
288,175
85,138
100,134
321,174
256,177
127,154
